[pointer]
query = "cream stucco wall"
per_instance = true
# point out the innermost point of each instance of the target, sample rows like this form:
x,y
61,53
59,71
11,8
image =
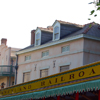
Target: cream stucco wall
x,y
92,51
6,54
6,81
74,58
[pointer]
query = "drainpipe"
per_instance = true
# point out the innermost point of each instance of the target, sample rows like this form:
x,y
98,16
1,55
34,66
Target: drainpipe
x,y
16,67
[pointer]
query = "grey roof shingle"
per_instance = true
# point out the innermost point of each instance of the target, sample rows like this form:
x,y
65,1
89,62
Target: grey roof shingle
x,y
92,29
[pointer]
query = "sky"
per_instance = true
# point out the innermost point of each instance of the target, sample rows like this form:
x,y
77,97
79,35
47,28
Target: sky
x,y
19,17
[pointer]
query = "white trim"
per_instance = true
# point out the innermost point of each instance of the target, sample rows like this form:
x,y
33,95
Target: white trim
x,y
65,64
26,71
45,68
58,42
62,54
36,32
50,44
50,57
57,24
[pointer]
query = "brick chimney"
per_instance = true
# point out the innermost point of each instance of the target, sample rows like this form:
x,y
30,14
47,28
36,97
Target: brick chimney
x,y
32,37
3,41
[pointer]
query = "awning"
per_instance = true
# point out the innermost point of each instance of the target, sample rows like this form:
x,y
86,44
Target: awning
x,y
85,86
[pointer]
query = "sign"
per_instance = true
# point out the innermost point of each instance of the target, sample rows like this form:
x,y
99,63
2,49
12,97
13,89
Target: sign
x,y
54,80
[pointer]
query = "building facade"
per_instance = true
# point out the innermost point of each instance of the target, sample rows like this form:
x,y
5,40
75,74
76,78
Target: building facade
x,y
7,63
82,83
57,48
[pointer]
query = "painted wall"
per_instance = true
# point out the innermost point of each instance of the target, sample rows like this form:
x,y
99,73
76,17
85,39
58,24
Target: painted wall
x,y
6,54
6,81
92,51
74,58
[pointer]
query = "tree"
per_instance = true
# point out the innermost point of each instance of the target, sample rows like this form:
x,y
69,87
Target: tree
x,y
97,8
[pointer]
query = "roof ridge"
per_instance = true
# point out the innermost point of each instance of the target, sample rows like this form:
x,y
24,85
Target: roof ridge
x,y
89,27
45,29
64,22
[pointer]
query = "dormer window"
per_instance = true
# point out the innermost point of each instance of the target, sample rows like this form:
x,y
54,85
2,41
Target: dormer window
x,y
38,39
56,33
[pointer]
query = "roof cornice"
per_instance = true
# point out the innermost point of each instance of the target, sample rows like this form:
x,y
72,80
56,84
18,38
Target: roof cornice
x,y
57,42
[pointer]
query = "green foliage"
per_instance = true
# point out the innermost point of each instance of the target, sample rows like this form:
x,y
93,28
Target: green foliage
x,y
90,25
95,15
97,4
89,19
92,12
98,8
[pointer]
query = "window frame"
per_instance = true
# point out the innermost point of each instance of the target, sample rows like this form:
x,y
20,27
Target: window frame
x,y
55,33
65,50
64,66
24,76
38,39
41,72
45,53
29,57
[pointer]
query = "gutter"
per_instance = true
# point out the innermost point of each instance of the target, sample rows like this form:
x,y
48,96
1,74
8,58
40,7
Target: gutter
x,y
58,42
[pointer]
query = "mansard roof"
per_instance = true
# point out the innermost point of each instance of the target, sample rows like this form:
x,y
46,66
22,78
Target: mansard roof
x,y
68,23
90,29
46,29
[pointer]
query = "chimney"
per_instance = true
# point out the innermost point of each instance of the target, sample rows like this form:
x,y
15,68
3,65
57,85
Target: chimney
x,y
3,41
32,37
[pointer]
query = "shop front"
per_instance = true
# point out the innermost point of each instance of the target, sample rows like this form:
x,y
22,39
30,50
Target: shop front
x,y
82,83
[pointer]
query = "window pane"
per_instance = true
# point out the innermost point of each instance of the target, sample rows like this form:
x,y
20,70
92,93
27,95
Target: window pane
x,y
64,68
27,57
56,35
56,30
37,42
44,73
38,36
46,53
26,77
66,48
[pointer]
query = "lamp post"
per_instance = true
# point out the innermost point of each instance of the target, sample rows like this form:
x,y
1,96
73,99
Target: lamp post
x,y
16,67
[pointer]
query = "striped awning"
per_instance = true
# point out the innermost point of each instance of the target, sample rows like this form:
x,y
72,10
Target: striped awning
x,y
85,86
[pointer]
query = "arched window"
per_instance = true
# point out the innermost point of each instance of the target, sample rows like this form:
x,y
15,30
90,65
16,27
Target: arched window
x,y
56,33
38,39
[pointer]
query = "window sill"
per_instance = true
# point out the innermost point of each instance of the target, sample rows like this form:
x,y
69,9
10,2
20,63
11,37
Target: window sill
x,y
65,64
45,56
65,52
45,68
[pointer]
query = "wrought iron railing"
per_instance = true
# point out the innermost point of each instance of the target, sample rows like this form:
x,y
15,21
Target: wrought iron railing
x,y
7,70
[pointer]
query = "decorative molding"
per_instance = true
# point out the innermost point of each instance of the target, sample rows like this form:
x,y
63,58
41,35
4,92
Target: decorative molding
x,y
35,67
50,44
54,63
26,71
65,64
58,42
45,68
62,54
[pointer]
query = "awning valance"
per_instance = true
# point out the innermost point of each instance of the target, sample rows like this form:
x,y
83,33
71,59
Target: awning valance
x,y
86,86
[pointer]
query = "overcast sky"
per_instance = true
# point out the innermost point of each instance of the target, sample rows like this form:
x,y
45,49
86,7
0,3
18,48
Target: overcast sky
x,y
19,17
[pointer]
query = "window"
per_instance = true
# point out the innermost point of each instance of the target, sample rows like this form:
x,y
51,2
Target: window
x,y
43,73
27,57
26,77
37,39
66,48
64,68
56,33
46,53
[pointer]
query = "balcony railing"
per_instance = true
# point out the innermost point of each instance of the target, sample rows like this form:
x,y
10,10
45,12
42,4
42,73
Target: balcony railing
x,y
7,70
